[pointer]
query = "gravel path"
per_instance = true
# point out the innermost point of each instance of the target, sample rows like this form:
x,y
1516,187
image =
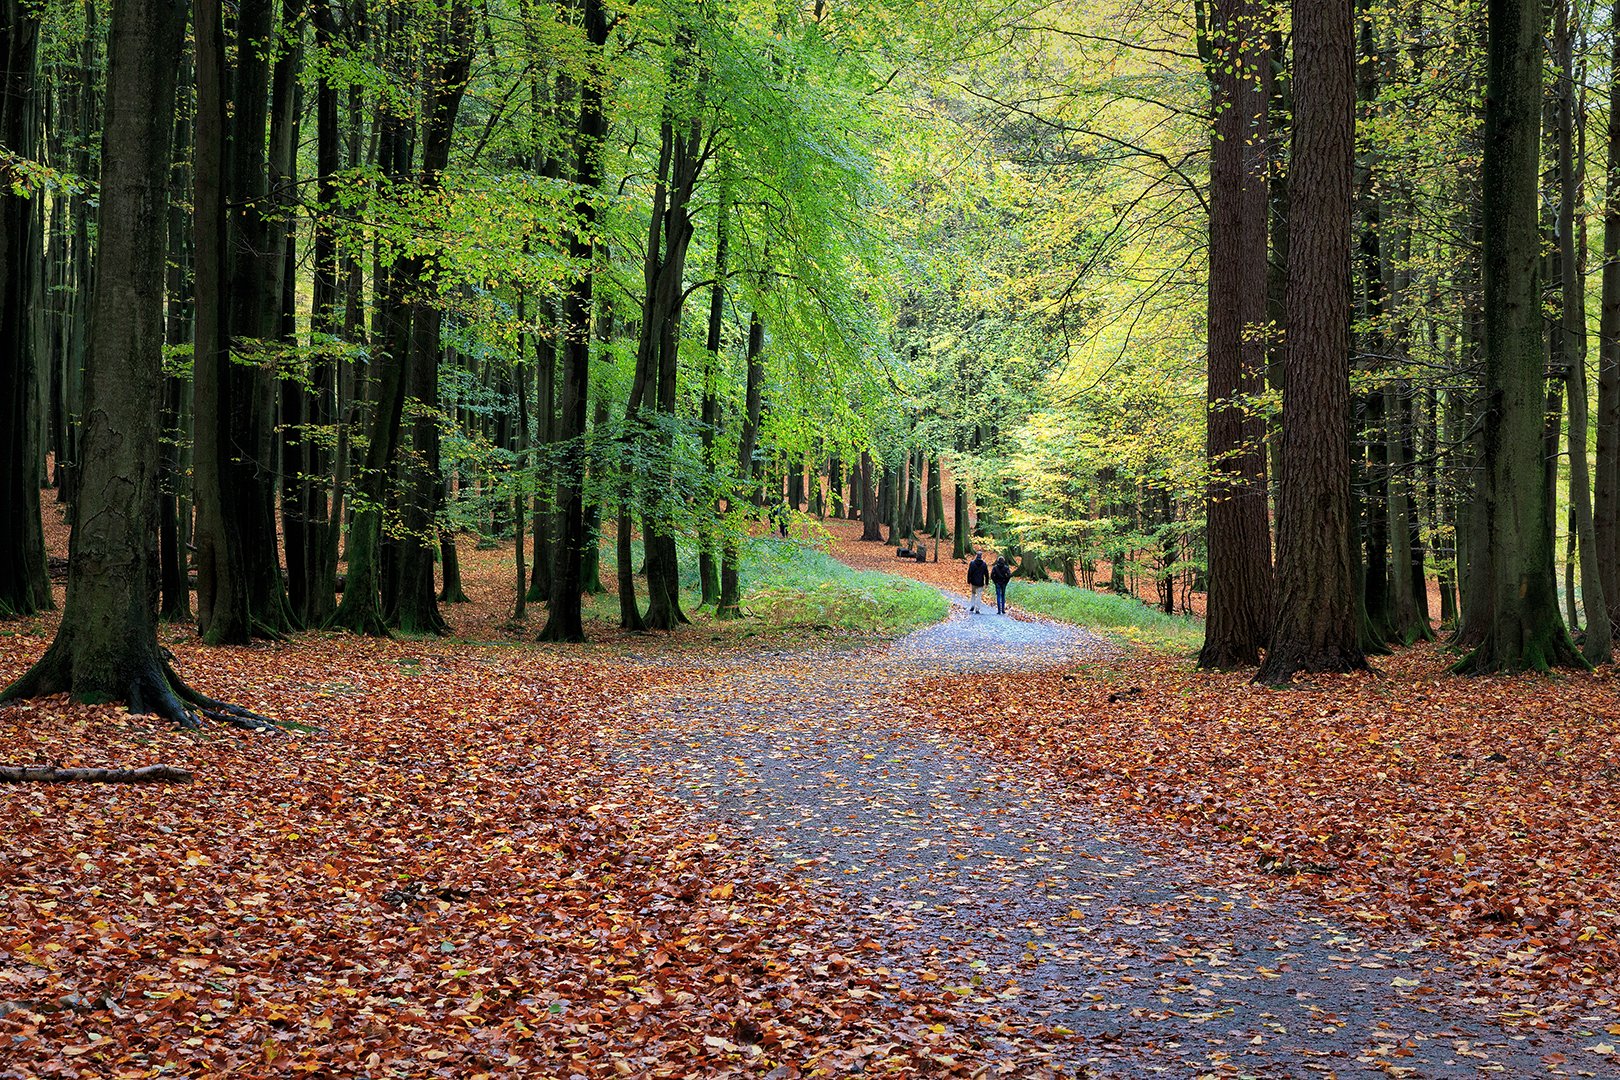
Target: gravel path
x,y
963,870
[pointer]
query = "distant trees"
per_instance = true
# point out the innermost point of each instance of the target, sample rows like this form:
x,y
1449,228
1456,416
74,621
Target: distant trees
x,y
410,294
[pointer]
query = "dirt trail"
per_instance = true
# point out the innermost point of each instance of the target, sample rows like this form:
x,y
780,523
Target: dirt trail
x,y
965,872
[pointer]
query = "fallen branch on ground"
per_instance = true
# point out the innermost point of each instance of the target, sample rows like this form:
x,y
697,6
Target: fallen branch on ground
x,y
50,774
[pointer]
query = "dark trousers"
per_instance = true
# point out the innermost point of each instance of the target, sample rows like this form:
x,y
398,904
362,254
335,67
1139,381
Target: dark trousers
x,y
1001,598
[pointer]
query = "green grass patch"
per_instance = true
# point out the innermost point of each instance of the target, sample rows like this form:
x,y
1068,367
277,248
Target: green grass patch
x,y
787,585
1122,617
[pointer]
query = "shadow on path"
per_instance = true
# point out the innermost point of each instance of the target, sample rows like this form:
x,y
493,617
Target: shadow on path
x,y
969,874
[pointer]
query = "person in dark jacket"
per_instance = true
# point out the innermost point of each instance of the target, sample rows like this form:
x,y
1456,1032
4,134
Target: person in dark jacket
x,y
1001,573
978,574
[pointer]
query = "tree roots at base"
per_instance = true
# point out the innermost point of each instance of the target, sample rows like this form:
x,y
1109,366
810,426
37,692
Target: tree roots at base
x,y
155,690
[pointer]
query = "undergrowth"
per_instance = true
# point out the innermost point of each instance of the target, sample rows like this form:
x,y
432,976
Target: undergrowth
x,y
1122,617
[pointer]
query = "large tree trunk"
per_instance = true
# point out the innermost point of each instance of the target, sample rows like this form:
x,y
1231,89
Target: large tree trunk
x,y
223,612
1239,530
871,503
564,618
1606,498
106,646
24,584
417,608
1571,332
1525,628
252,283
1316,624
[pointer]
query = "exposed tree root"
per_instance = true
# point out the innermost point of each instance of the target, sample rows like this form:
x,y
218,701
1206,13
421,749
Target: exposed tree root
x,y
154,690
1502,652
49,774
1280,666
220,711
367,622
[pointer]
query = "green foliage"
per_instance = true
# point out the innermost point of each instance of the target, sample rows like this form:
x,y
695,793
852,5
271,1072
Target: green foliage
x,y
1123,618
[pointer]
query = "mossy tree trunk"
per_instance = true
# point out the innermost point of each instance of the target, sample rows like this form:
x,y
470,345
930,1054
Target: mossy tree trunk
x,y
1525,630
106,647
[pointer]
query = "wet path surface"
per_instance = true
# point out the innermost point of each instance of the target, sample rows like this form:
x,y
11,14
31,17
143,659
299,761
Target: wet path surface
x,y
968,874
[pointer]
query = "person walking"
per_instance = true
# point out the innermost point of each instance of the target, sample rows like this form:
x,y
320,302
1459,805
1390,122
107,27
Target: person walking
x,y
1001,573
978,574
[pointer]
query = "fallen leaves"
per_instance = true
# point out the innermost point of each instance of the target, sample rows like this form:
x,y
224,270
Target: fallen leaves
x,y
1477,812
446,878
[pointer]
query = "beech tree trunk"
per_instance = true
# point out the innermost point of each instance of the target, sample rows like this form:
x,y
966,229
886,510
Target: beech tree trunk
x,y
708,564
1571,332
871,526
223,614
361,610
24,582
681,160
1606,497
1316,622
565,616
1525,629
730,600
1239,613
106,646
417,608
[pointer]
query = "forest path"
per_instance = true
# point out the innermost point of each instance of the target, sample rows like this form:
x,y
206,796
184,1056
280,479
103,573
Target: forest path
x,y
974,874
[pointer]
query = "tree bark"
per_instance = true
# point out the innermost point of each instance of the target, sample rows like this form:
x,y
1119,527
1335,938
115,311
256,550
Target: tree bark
x,y
729,605
106,646
871,526
417,607
1525,628
564,618
1597,644
361,610
1316,624
47,774
1239,612
25,585
708,565
1606,497
223,612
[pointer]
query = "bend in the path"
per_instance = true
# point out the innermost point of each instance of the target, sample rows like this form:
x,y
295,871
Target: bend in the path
x,y
964,870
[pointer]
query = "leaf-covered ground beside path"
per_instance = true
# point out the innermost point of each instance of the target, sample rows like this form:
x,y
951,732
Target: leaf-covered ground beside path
x,y
1478,813
447,879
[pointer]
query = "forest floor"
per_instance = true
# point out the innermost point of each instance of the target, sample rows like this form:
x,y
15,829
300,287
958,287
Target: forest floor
x,y
995,844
